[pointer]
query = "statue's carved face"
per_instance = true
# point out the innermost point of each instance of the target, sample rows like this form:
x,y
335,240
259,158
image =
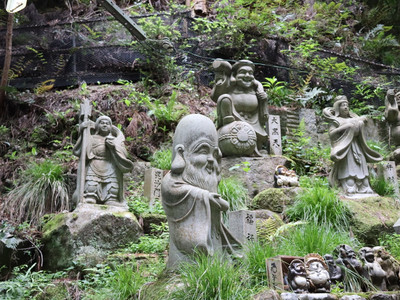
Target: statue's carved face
x,y
104,127
344,109
317,272
244,77
329,259
202,164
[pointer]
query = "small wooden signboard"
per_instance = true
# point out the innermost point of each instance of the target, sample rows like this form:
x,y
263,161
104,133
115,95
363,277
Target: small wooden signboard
x,y
277,271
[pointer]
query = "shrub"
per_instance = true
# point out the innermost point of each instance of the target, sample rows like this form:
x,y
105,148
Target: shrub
x,y
213,278
233,190
320,205
312,238
391,242
39,190
161,159
382,186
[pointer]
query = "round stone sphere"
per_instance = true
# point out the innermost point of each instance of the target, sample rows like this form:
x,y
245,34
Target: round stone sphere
x,y
237,139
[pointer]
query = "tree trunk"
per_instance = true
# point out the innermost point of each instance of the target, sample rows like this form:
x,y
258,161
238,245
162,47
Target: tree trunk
x,y
7,63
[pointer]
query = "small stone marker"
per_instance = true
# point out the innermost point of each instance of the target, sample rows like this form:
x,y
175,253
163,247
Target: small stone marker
x,y
277,270
387,169
275,137
152,184
242,225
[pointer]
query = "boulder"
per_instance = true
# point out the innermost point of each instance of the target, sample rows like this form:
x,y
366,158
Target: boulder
x,y
85,235
372,216
274,199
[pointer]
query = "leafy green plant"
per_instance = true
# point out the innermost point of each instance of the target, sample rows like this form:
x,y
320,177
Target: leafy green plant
x,y
306,158
213,278
139,205
391,242
40,189
381,186
234,191
150,244
320,205
162,159
277,91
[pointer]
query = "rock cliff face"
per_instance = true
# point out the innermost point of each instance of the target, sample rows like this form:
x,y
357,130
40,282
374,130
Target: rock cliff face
x,y
85,236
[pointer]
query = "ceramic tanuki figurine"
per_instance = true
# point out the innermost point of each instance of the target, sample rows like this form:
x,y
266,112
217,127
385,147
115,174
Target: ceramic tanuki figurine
x,y
390,265
189,193
335,272
349,152
241,108
317,273
348,258
392,115
372,269
297,276
103,160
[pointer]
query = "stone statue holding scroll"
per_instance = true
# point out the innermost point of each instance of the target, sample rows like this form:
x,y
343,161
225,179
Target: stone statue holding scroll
x,y
103,160
189,193
349,152
241,107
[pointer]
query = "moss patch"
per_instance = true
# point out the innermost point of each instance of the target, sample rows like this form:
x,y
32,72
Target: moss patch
x,y
53,224
372,217
272,199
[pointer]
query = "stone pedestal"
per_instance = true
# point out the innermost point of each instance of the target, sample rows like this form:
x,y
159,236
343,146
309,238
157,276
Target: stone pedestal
x,y
256,172
242,225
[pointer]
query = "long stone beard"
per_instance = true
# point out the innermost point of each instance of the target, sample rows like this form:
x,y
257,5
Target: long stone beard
x,y
200,177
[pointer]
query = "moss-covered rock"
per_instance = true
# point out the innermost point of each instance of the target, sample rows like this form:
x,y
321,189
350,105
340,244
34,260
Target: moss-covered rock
x,y
86,235
267,222
372,217
274,199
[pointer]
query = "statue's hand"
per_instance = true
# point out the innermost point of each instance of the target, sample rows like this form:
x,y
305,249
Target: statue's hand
x,y
216,199
110,142
84,125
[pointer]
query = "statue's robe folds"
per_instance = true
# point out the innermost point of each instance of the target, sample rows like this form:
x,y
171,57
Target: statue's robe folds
x,y
350,151
250,108
105,165
194,221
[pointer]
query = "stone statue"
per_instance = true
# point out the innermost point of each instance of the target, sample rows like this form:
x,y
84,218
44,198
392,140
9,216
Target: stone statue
x,y
390,265
317,273
297,276
348,258
241,107
103,160
349,152
392,115
372,269
335,272
189,193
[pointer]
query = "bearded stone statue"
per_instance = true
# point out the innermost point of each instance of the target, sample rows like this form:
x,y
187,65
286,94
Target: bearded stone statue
x,y
189,193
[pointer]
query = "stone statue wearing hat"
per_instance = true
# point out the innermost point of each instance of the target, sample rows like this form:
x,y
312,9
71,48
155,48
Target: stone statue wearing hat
x,y
241,108
317,273
189,193
350,152
103,160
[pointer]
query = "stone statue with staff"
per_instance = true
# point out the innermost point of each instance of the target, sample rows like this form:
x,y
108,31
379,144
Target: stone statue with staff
x,y
103,160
